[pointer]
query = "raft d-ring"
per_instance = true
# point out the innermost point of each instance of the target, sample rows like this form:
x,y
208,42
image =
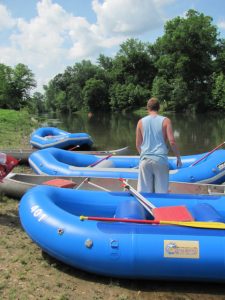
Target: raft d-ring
x,y
114,244
60,231
89,243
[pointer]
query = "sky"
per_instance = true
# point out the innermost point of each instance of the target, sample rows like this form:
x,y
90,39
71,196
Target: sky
x,y
49,35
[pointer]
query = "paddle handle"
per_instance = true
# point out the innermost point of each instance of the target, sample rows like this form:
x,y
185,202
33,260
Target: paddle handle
x,y
217,147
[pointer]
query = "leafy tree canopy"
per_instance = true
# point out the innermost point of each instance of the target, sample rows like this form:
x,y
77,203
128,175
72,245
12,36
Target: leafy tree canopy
x,y
184,68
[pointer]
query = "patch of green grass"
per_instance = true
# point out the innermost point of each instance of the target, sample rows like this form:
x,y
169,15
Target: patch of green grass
x,y
15,128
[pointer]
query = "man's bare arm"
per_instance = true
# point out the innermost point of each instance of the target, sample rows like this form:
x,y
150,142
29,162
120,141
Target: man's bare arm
x,y
171,139
139,136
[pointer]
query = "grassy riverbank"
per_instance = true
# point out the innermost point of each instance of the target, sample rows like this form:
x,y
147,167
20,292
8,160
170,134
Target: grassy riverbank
x,y
15,128
27,273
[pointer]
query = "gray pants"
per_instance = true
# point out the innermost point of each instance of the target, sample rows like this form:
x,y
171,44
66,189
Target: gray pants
x,y
153,177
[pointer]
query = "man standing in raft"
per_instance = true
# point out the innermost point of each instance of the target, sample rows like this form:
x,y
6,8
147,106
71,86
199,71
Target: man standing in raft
x,y
152,134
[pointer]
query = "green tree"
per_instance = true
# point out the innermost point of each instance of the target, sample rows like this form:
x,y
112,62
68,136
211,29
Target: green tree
x,y
95,95
218,91
161,89
37,103
133,64
219,61
106,63
64,92
22,82
178,68
186,52
16,85
5,80
127,96
179,94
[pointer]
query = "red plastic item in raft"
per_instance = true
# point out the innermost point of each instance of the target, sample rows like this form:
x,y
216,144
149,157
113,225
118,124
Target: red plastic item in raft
x,y
62,183
172,213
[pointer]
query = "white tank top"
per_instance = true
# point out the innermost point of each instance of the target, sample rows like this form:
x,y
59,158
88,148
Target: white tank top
x,y
153,145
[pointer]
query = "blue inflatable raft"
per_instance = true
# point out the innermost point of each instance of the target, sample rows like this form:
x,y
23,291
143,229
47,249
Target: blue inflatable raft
x,y
46,137
54,161
51,217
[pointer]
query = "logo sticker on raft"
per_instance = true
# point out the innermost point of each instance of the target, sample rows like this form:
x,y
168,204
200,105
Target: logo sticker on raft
x,y
221,166
181,249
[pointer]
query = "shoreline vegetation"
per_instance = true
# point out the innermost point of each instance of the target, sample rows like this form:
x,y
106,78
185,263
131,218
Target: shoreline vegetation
x,y
26,272
15,128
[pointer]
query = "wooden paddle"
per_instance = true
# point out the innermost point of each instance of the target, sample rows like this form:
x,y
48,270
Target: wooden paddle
x,y
195,224
197,161
166,213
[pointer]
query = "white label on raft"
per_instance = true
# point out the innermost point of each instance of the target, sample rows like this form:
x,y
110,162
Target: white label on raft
x,y
221,166
38,213
181,249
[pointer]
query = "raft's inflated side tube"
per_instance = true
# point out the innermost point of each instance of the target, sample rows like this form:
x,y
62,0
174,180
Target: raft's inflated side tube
x,y
50,216
46,137
55,161
130,210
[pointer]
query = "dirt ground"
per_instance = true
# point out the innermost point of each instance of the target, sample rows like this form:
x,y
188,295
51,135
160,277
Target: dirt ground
x,y
28,273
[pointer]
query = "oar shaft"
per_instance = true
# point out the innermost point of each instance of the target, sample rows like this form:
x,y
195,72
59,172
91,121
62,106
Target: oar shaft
x,y
82,218
146,203
194,224
100,160
137,194
98,186
196,162
74,148
91,166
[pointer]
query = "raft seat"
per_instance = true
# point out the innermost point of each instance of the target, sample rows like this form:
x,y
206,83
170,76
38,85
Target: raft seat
x,y
62,183
206,213
130,209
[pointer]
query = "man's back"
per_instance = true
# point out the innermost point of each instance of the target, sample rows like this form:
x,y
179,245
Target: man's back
x,y
153,144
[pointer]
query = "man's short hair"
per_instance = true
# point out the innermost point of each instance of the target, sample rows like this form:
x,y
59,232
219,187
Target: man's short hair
x,y
153,104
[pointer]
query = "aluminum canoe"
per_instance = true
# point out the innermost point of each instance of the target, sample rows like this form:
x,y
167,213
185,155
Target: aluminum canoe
x,y
16,184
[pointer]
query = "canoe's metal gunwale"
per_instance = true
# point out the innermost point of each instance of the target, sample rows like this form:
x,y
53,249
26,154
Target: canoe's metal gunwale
x,y
16,184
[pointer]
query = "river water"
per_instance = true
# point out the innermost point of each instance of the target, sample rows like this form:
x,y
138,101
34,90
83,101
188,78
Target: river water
x,y
194,133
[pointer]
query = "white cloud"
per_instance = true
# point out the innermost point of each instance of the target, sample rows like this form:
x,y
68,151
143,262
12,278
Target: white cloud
x,y
54,38
6,21
127,17
221,24
85,43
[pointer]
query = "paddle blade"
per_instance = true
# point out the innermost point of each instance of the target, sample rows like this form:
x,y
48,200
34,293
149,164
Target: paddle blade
x,y
198,224
172,213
